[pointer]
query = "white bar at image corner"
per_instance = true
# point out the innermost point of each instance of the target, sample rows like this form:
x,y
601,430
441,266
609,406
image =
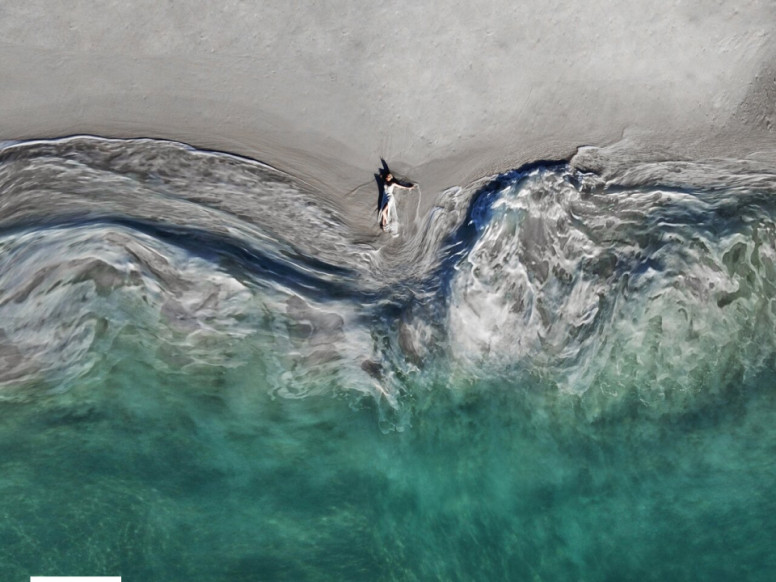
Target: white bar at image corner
x,y
75,578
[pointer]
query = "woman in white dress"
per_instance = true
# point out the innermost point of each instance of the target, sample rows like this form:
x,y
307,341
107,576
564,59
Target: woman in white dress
x,y
389,183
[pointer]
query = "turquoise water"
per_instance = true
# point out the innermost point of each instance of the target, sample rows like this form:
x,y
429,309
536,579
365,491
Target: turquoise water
x,y
575,383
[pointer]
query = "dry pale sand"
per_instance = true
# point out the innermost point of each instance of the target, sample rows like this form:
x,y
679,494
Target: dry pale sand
x,y
448,91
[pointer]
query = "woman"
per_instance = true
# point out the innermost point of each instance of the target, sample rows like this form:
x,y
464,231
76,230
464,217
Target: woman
x,y
386,201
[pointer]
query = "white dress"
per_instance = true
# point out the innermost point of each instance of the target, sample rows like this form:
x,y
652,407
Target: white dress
x,y
388,193
392,225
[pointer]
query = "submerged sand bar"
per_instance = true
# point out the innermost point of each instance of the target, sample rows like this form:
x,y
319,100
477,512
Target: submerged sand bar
x,y
448,91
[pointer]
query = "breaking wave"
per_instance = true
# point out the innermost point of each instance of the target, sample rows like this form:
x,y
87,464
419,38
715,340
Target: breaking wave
x,y
654,282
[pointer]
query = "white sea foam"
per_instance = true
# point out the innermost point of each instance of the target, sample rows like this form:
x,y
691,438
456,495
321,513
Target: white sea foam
x,y
617,281
617,289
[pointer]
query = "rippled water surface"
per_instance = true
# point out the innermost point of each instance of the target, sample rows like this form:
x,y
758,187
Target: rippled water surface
x,y
565,372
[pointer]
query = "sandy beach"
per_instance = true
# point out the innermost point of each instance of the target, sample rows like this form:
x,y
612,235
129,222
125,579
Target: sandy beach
x,y
448,92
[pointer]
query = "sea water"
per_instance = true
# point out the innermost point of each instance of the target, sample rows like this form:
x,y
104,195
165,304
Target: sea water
x,y
565,372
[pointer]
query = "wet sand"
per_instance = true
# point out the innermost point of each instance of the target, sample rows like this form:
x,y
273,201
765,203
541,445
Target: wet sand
x,y
447,92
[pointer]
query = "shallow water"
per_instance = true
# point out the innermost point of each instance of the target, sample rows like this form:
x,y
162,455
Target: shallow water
x,y
556,374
